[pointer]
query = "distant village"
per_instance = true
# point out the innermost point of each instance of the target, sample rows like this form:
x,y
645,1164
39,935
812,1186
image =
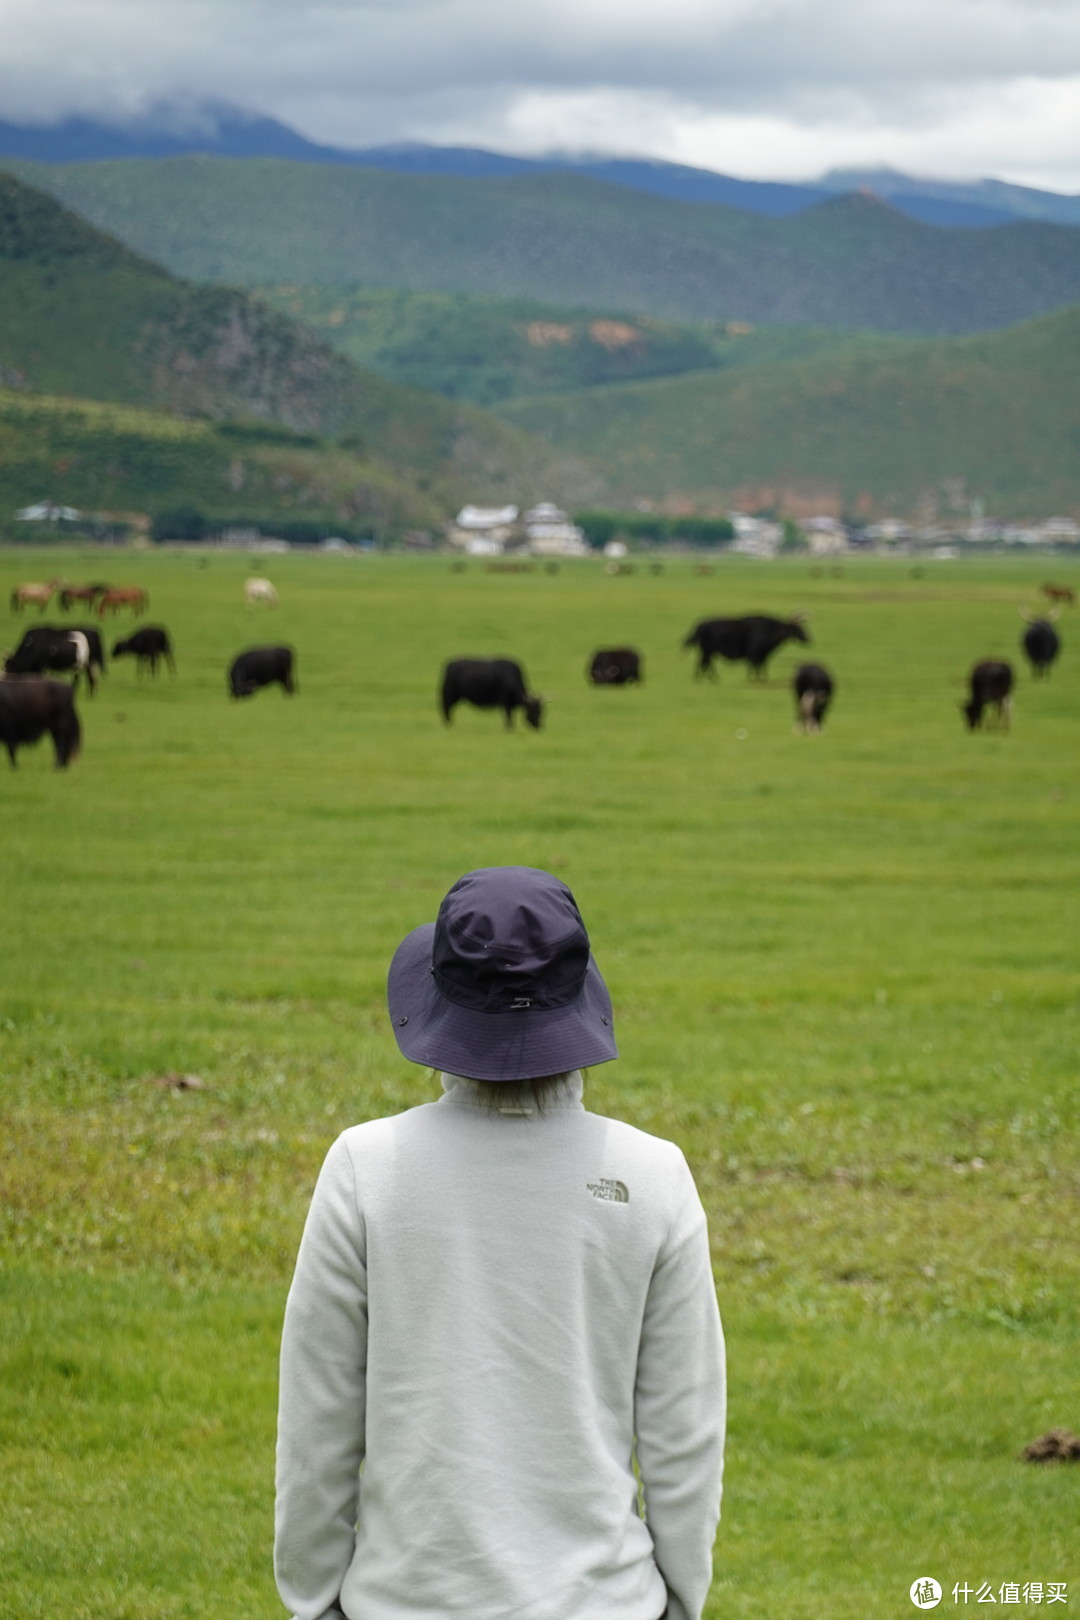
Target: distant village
x,y
546,531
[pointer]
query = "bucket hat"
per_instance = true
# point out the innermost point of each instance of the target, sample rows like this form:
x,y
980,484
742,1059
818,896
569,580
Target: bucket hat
x,y
502,986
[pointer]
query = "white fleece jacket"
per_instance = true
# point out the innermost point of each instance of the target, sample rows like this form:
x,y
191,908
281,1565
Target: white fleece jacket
x,y
491,1316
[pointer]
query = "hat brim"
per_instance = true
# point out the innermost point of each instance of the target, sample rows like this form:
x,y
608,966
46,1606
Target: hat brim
x,y
518,1045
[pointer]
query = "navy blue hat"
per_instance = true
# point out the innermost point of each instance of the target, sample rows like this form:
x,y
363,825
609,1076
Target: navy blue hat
x,y
502,985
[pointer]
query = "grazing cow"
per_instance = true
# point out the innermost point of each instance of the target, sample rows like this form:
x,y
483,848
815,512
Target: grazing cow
x,y
753,638
118,596
260,590
1059,593
489,683
991,684
47,635
1041,643
57,651
39,595
615,666
261,666
70,594
813,687
29,708
147,645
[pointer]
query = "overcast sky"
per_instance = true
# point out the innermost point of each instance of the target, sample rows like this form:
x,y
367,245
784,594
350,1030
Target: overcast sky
x,y
759,88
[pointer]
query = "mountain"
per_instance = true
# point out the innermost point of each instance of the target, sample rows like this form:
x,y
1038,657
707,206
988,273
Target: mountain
x,y
490,349
164,131
995,197
899,426
220,130
556,238
773,198
80,314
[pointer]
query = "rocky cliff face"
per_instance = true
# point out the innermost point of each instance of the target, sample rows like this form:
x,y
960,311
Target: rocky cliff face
x,y
220,353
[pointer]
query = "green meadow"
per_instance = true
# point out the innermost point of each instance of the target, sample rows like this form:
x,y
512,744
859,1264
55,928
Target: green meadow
x,y
845,979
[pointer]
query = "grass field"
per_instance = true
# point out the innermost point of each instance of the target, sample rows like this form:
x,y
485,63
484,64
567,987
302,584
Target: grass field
x,y
844,972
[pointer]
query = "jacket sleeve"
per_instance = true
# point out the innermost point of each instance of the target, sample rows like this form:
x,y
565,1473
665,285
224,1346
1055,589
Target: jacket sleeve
x,y
321,1406
680,1407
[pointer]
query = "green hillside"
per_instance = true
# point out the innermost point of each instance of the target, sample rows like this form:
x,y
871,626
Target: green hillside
x,y
82,315
490,349
994,417
121,458
568,240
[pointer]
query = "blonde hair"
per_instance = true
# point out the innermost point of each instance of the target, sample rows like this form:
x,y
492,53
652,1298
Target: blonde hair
x,y
520,1096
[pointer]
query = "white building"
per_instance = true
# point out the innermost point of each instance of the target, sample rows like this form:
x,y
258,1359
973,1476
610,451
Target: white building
x,y
550,533
755,537
48,512
889,532
826,536
1060,531
494,525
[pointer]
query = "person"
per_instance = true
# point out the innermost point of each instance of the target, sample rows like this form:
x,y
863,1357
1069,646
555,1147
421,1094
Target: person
x,y
502,1366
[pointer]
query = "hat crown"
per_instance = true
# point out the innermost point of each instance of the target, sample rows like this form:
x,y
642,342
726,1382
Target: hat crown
x,y
509,938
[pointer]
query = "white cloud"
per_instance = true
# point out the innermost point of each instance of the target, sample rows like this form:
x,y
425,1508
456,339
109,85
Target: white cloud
x,y
757,87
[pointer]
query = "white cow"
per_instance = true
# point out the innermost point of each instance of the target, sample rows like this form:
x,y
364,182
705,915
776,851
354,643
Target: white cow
x,y
260,590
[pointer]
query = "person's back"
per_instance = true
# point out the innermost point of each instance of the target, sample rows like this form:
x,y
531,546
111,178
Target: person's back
x,y
512,1304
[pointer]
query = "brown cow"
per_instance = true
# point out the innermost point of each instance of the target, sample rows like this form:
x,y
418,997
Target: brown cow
x,y
132,596
1059,593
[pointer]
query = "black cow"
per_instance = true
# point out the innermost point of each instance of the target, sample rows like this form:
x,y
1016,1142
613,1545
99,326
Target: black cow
x,y
29,708
147,645
753,639
489,683
615,666
261,666
813,687
1042,644
67,650
991,684
44,634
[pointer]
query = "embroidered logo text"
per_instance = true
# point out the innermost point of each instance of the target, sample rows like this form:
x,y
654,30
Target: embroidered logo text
x,y
610,1192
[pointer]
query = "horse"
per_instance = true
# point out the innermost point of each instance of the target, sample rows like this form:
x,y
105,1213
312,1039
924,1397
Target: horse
x,y
70,594
132,596
1059,593
40,595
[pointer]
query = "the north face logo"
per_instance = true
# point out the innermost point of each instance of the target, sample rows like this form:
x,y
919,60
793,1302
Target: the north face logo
x,y
611,1192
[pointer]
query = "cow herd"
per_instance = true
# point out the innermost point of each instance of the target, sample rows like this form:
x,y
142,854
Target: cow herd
x,y
500,683
31,704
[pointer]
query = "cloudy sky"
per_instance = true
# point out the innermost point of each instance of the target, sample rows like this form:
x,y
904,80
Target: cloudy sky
x,y
759,88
